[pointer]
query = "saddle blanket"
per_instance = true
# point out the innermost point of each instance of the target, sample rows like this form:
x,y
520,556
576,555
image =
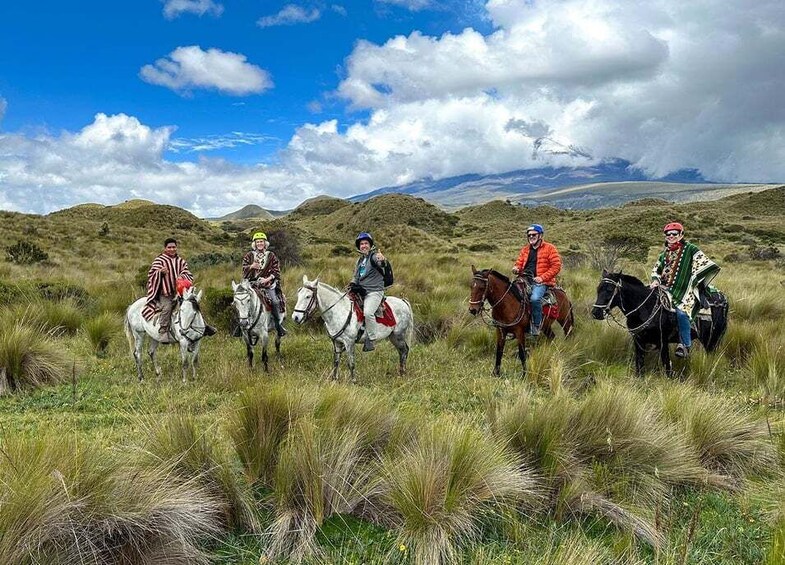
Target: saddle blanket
x,y
268,304
386,319
551,311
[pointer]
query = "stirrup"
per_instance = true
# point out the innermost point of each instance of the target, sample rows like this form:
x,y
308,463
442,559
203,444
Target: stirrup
x,y
682,351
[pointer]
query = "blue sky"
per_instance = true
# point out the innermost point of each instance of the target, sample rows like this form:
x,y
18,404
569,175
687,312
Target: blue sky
x,y
212,105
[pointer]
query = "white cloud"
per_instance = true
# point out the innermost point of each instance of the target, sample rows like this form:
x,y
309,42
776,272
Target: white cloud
x,y
339,9
191,67
215,142
413,5
290,14
174,8
3,107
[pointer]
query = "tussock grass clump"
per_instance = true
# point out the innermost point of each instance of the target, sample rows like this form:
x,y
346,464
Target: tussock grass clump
x,y
439,488
766,367
758,304
178,444
65,502
29,359
259,426
100,330
61,317
707,369
727,440
740,342
605,344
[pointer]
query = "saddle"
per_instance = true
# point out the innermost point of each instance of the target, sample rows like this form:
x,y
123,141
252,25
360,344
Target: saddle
x,y
384,314
261,292
550,304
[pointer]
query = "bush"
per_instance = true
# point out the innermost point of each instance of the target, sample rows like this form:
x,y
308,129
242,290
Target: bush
x,y
760,253
286,246
218,309
28,359
25,253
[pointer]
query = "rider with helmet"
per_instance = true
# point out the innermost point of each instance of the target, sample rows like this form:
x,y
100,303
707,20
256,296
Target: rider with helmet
x,y
679,269
538,261
262,268
368,281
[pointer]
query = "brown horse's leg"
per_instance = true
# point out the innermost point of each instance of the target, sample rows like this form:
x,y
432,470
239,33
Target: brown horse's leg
x,y
568,322
499,352
520,335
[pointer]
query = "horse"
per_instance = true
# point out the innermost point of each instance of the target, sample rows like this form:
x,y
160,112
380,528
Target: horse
x,y
650,320
255,321
511,311
188,328
342,326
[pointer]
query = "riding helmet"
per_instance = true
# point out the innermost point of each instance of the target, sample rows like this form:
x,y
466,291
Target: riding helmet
x,y
361,236
259,235
535,227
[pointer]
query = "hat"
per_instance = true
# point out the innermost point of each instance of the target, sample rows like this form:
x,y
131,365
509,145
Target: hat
x,y
673,226
363,235
259,235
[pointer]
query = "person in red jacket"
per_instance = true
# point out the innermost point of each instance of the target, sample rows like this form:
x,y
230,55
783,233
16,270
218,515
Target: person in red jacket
x,y
540,262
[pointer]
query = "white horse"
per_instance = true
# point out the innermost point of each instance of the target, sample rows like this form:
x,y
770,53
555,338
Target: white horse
x,y
188,327
255,320
339,318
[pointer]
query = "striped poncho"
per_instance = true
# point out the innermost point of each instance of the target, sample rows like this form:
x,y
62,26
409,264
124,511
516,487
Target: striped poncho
x,y
680,270
164,284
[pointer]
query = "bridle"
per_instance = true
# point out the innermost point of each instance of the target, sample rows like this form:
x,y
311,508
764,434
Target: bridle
x,y
310,308
481,301
199,334
606,308
248,298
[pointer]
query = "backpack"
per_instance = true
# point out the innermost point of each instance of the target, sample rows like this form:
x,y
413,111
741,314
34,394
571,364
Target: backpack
x,y
387,272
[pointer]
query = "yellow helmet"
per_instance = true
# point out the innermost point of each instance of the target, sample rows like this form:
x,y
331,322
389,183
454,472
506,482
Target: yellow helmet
x,y
259,235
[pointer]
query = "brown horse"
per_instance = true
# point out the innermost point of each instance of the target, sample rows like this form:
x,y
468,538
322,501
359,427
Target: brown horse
x,y
511,311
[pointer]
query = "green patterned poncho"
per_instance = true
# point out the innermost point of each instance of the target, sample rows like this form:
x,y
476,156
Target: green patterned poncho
x,y
680,271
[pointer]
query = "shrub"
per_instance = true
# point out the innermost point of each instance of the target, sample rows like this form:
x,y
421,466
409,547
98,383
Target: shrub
x,y
761,253
341,250
286,246
28,359
25,253
218,309
104,230
210,259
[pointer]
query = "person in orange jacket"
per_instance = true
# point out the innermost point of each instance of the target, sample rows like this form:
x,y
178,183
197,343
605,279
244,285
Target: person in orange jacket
x,y
540,262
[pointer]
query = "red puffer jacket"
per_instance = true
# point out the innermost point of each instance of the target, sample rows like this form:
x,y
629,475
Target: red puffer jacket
x,y
548,262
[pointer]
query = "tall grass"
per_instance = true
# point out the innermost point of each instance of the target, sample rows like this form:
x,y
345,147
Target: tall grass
x,y
727,440
440,487
178,444
100,330
766,368
29,359
67,502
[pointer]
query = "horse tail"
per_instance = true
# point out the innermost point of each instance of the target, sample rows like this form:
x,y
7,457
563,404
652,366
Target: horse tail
x,y
410,330
714,329
129,335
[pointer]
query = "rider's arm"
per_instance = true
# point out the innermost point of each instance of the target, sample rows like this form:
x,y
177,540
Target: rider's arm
x,y
554,266
521,258
657,270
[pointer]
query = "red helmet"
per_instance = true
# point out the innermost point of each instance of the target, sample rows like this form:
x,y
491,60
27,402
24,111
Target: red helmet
x,y
183,284
673,226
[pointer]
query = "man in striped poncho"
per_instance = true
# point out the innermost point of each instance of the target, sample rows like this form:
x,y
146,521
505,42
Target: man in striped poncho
x,y
162,284
679,269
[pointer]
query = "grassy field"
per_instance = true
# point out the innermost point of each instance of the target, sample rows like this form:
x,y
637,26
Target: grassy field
x,y
575,462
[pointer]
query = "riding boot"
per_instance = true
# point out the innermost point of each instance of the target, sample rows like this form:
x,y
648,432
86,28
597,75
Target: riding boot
x,y
368,345
277,321
209,330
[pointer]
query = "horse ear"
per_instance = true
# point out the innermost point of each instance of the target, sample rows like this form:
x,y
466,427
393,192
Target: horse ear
x,y
619,271
305,280
604,272
474,271
234,285
199,295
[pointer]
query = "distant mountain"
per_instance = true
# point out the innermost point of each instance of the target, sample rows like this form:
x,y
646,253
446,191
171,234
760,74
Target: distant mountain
x,y
610,183
245,213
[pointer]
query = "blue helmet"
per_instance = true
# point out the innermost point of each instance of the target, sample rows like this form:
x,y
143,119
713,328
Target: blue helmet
x,y
535,227
363,235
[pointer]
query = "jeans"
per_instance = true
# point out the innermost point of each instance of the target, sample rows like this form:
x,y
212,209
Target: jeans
x,y
538,291
370,305
685,332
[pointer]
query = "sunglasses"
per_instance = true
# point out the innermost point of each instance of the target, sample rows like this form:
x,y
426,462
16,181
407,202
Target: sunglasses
x,y
671,233
532,234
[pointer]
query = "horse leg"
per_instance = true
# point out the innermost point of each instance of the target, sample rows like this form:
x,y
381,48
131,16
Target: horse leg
x,y
350,360
138,343
547,329
185,357
499,352
265,338
520,336
399,341
639,353
336,358
665,357
249,351
568,323
277,346
153,348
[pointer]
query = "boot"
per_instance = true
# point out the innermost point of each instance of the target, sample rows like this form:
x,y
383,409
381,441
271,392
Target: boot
x,y
278,325
209,330
368,345
682,351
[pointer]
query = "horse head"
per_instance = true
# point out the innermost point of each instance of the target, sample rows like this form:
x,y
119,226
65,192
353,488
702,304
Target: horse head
x,y
191,321
479,290
243,302
607,294
306,300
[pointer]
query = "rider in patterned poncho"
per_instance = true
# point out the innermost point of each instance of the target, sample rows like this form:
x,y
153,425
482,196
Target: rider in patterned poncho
x,y
262,268
162,284
679,270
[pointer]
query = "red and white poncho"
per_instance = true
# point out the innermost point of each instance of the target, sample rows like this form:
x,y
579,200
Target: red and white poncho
x,y
165,284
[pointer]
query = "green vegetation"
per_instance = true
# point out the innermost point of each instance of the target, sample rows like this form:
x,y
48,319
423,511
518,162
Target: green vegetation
x,y
578,462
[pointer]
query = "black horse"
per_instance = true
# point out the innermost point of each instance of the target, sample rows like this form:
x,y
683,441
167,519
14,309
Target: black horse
x,y
650,320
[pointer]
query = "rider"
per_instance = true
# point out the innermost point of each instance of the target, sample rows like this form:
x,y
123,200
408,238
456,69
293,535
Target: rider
x,y
369,282
167,272
539,261
262,268
679,269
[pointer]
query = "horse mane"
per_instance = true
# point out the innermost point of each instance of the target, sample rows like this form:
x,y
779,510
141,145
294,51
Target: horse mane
x,y
630,279
506,280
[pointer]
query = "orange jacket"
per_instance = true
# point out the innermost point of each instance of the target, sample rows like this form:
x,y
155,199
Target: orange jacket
x,y
548,262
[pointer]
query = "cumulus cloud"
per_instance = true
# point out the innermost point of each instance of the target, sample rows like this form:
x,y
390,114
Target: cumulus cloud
x,y
174,8
191,67
290,14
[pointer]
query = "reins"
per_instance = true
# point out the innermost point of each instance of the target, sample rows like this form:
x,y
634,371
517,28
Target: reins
x,y
606,308
484,312
311,308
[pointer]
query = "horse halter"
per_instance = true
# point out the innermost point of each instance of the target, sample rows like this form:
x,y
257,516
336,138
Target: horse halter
x,y
606,308
311,306
479,277
190,327
248,298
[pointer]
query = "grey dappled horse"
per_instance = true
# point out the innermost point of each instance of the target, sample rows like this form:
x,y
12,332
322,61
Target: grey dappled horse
x,y
341,322
255,321
188,327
